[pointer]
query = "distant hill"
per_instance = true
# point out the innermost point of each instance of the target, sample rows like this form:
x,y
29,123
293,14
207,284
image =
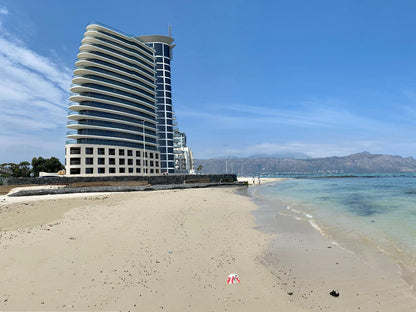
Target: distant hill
x,y
360,163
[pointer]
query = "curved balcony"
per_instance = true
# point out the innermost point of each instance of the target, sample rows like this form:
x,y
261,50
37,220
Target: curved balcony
x,y
80,126
100,53
100,137
90,60
122,38
80,81
106,74
118,115
76,97
129,54
99,93
82,117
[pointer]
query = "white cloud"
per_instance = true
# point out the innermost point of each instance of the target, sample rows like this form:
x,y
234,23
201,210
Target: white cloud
x,y
4,11
34,94
307,115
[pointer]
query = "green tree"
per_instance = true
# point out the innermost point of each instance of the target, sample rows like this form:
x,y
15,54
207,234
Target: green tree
x,y
18,170
41,164
199,168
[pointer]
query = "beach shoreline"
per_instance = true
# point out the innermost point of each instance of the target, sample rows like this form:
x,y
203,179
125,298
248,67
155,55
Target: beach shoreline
x,y
310,264
161,250
173,250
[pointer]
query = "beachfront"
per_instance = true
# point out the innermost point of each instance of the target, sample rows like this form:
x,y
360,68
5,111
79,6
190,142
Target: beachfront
x,y
173,251
147,251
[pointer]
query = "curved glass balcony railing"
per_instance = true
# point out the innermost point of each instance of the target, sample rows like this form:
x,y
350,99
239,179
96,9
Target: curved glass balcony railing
x,y
114,91
119,68
149,68
91,114
95,78
132,42
113,74
118,126
138,70
98,96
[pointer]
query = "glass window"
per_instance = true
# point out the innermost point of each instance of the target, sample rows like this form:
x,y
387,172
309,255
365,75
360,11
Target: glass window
x,y
75,150
89,161
112,170
129,153
111,161
75,171
137,162
89,150
157,156
89,170
121,161
151,171
137,170
122,170
101,161
151,163
121,152
130,170
137,153
166,50
101,151
158,48
101,170
111,151
130,162
75,161
159,66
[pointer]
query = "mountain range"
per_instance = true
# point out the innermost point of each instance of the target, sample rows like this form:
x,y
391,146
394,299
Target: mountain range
x,y
360,163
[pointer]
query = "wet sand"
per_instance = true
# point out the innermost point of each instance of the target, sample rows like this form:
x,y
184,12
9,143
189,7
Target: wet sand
x,y
310,265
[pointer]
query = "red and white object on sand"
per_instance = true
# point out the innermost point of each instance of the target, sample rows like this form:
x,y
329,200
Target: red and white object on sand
x,y
233,279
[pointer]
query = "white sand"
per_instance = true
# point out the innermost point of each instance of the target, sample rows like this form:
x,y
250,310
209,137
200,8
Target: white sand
x,y
143,251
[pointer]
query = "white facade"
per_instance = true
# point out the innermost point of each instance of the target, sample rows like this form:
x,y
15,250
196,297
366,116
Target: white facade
x,y
113,113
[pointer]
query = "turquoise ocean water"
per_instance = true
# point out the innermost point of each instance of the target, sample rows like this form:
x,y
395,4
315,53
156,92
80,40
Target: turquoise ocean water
x,y
378,211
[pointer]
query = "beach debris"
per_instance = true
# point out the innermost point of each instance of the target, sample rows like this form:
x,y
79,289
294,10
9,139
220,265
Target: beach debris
x,y
233,279
290,293
334,293
170,251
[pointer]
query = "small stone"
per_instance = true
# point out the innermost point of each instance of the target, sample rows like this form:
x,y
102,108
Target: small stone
x,y
334,293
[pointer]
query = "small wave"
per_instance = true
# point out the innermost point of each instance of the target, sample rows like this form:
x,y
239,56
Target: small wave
x,y
315,226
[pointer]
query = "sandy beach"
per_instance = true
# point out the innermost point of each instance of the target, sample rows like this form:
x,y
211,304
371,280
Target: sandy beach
x,y
173,250
143,251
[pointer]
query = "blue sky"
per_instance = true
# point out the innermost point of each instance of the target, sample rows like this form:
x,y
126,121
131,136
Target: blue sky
x,y
320,77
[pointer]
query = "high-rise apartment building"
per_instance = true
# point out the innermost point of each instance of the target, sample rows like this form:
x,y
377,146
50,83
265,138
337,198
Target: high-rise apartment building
x,y
163,52
120,116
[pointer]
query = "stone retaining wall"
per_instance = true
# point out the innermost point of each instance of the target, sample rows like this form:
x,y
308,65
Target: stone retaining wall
x,y
152,180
